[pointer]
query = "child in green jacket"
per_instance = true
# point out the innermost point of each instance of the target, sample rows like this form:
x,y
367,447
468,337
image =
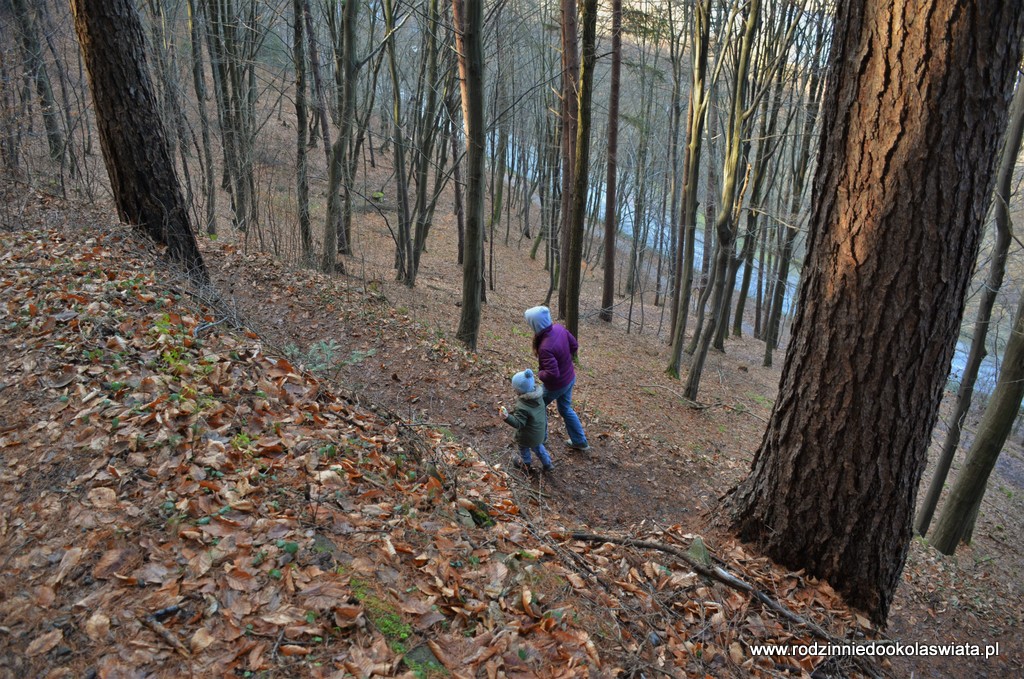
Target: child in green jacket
x,y
530,419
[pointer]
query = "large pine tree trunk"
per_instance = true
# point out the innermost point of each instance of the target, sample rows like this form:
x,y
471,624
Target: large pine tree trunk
x,y
142,176
913,116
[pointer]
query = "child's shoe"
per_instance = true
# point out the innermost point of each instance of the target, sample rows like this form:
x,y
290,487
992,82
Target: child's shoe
x,y
522,466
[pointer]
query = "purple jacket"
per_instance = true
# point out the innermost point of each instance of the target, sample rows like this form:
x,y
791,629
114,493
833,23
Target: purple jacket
x,y
555,346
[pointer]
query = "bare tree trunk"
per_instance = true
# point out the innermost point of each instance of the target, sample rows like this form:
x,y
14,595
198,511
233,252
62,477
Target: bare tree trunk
x,y
199,84
139,164
581,173
301,129
833,485
960,510
801,165
403,245
677,45
610,225
319,96
36,68
468,18
426,129
696,117
724,222
767,145
451,105
499,158
570,114
759,298
337,236
230,54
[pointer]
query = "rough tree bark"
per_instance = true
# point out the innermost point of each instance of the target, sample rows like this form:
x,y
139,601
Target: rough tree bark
x,y
913,115
301,128
142,175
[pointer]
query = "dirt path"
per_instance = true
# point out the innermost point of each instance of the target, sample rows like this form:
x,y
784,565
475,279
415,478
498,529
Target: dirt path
x,y
653,459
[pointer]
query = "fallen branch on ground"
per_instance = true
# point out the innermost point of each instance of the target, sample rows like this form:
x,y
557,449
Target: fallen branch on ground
x,y
719,574
166,634
696,405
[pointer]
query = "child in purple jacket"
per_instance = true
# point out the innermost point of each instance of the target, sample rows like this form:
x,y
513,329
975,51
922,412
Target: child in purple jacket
x,y
555,348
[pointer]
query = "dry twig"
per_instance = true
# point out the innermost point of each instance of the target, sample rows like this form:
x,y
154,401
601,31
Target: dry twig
x,y
719,574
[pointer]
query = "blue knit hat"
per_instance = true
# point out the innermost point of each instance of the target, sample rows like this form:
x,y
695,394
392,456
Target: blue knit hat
x,y
539,318
522,382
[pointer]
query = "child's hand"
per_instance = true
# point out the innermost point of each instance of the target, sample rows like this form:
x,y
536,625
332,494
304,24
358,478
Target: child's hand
x,y
504,412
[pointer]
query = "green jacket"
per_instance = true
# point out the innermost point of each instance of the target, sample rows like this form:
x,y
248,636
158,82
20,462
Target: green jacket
x,y
530,418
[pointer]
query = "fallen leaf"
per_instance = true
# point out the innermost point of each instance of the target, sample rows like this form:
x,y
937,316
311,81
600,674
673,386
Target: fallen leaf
x,y
45,643
102,498
329,478
97,626
347,611
109,564
45,596
66,377
324,595
527,599
67,563
284,617
65,315
201,640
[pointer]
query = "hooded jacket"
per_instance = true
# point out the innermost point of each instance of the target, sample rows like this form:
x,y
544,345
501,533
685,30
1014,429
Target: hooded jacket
x,y
529,418
555,347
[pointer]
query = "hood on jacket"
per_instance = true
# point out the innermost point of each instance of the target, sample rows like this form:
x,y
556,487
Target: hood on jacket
x,y
539,318
536,395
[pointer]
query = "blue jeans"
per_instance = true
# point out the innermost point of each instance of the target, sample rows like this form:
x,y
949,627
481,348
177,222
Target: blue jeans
x,y
542,453
563,397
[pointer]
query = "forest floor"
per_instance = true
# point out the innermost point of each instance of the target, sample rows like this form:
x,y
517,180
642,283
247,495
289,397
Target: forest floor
x,y
656,470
